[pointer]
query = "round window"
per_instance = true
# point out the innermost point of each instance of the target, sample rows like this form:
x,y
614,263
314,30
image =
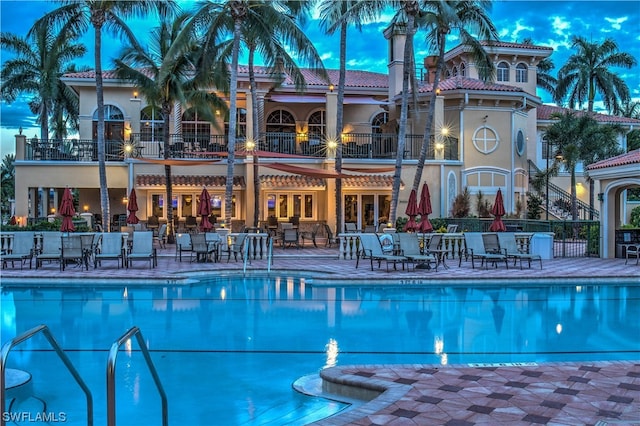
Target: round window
x,y
485,140
520,142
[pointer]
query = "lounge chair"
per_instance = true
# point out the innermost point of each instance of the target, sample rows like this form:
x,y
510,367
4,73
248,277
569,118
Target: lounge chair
x,y
142,249
50,250
72,251
160,235
434,247
350,227
632,251
111,247
410,247
512,250
474,248
371,248
22,249
183,243
290,238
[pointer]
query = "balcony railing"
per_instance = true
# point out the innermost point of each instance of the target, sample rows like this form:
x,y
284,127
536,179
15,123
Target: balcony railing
x,y
354,145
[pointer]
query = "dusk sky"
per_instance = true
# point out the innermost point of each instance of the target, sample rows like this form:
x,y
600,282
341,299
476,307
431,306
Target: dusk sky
x,y
548,23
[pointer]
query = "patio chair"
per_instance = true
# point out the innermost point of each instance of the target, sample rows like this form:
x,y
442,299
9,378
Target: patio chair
x,y
183,243
312,235
215,241
153,222
200,248
191,223
331,239
22,249
50,250
142,249
160,235
632,251
290,238
452,229
475,249
236,247
371,248
410,247
72,252
111,247
350,227
509,244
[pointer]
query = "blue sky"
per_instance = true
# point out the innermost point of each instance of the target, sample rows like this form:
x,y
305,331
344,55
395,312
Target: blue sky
x,y
549,23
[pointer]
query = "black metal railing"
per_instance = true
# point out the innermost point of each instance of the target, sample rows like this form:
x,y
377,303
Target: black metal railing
x,y
354,145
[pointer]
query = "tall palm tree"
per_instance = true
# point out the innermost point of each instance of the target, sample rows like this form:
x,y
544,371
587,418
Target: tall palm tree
x,y
544,79
588,72
41,59
272,30
442,18
580,139
251,22
337,16
164,74
74,17
8,176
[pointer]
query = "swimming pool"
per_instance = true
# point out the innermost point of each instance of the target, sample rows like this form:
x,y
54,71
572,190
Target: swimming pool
x,y
229,349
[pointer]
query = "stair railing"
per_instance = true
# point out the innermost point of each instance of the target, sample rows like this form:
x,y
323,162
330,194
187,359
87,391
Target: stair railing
x,y
6,348
111,370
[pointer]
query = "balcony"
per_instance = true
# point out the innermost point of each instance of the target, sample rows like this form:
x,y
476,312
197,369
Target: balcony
x,y
354,145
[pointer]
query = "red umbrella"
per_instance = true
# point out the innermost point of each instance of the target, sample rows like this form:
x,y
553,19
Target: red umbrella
x,y
498,211
412,212
424,209
204,210
67,211
132,207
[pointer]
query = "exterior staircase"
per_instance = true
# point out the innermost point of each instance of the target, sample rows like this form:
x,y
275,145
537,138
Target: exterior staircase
x,y
560,200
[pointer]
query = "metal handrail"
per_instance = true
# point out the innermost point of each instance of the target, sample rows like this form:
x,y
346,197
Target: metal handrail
x,y
6,348
269,255
245,256
111,369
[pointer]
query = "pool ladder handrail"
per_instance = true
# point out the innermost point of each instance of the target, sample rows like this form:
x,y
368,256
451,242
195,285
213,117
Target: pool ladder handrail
x,y
111,369
269,255
245,256
6,348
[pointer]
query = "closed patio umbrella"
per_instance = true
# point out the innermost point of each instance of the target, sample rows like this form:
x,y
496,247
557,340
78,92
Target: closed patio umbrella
x,y
67,211
424,209
498,211
204,210
412,212
132,207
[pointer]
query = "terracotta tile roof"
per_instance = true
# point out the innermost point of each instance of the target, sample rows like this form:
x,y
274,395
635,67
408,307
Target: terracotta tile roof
x,y
631,157
466,83
545,112
369,181
511,44
183,180
291,181
363,79
355,181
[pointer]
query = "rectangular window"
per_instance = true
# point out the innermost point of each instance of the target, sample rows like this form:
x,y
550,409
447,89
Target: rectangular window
x,y
283,207
308,206
157,205
297,205
187,205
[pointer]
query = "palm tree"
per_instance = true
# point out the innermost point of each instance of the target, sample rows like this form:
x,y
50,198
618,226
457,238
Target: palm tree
x,y
338,15
8,175
41,59
441,19
272,31
588,71
164,74
74,18
631,109
580,139
544,80
253,22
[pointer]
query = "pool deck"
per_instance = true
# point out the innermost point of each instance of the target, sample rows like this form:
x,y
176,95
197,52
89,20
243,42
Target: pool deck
x,y
589,393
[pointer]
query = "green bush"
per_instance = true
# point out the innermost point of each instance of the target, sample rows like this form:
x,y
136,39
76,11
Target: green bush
x,y
635,217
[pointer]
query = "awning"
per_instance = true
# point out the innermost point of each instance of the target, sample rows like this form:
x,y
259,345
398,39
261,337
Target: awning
x,y
304,171
319,99
177,162
189,181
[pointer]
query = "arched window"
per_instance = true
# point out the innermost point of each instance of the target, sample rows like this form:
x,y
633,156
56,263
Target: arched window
x,y
503,71
113,123
281,121
454,72
463,70
317,123
486,139
378,122
151,124
195,132
521,73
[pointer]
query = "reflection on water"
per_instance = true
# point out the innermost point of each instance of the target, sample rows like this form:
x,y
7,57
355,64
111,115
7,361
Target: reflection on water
x,y
253,337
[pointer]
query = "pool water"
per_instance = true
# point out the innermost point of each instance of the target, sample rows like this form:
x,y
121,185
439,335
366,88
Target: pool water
x,y
228,349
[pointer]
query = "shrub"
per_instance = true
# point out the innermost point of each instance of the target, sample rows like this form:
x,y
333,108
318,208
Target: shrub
x,y
461,204
534,206
635,217
482,205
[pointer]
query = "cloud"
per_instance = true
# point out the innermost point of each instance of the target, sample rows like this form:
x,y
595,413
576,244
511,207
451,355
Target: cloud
x,y
616,23
16,115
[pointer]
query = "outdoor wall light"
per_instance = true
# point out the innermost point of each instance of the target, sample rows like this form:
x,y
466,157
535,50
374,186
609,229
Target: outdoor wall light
x,y
125,200
332,144
444,131
135,95
85,208
439,146
250,145
601,196
53,210
331,87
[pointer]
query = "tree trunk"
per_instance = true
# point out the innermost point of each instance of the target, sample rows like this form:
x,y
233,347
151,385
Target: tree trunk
x,y
166,116
255,131
339,123
231,144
